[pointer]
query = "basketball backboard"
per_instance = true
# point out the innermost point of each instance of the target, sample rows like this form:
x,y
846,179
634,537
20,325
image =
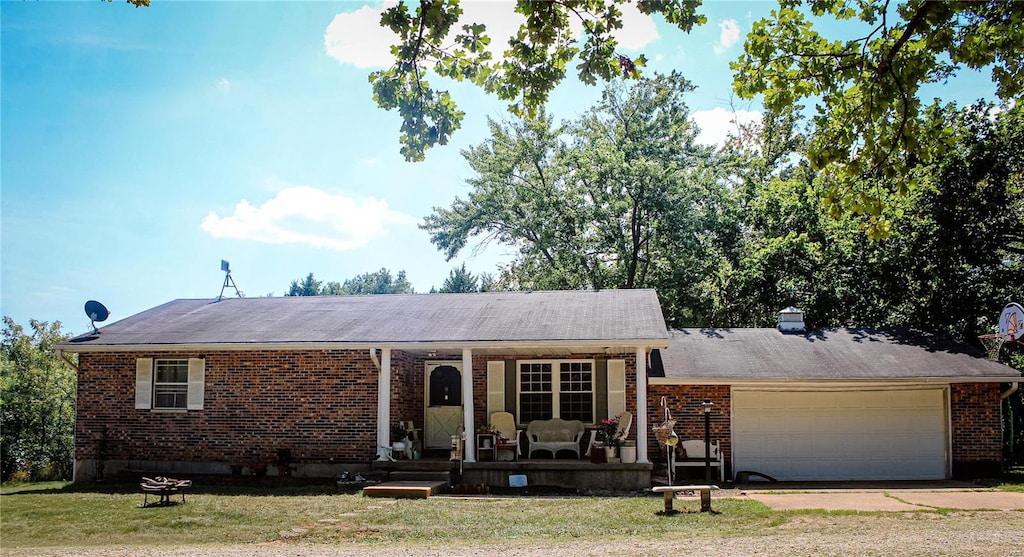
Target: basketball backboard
x,y
1011,322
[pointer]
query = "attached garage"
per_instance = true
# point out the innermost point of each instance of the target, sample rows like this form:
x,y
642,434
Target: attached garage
x,y
836,404
841,435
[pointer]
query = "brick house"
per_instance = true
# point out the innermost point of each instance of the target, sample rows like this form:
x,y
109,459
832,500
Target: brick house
x,y
838,404
201,386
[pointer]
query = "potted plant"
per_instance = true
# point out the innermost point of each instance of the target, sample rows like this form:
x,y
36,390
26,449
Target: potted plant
x,y
399,437
608,435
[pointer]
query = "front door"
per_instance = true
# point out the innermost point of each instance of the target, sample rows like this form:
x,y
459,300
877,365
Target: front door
x,y
443,399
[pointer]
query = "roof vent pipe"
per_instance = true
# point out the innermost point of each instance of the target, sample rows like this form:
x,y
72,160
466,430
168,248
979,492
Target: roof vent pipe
x,y
791,320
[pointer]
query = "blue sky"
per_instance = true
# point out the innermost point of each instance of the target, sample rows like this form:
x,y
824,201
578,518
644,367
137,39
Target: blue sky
x,y
142,146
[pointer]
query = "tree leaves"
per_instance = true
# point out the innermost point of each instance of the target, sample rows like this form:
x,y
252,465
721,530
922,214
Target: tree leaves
x,y
869,125
37,410
622,197
379,282
537,59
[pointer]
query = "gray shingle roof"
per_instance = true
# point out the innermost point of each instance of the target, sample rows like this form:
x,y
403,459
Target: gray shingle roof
x,y
829,354
491,317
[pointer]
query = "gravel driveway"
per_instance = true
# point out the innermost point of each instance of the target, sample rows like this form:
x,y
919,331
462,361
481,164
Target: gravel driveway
x,y
973,533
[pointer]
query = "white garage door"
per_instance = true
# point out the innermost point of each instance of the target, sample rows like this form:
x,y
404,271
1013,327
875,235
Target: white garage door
x,y
840,435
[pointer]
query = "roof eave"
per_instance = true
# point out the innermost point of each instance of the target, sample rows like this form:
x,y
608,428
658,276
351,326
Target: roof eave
x,y
860,381
607,345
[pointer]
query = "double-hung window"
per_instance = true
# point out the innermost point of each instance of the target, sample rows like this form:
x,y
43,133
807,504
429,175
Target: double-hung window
x,y
556,389
170,384
173,384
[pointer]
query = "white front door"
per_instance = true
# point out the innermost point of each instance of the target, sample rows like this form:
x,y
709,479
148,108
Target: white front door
x,y
442,396
841,435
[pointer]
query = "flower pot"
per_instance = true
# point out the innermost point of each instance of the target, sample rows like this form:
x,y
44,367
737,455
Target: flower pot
x,y
628,454
610,454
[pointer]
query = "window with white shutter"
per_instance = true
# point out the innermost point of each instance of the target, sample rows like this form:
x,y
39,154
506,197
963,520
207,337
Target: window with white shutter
x,y
144,383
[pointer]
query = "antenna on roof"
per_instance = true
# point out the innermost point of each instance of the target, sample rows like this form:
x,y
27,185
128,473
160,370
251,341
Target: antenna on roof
x,y
96,312
228,281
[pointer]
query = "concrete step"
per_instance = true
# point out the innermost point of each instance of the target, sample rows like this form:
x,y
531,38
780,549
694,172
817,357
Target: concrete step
x,y
406,489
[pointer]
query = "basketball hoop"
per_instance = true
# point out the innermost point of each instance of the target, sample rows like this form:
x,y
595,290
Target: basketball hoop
x,y
993,344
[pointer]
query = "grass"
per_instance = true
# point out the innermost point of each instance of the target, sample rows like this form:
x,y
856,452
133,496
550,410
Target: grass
x,y
113,517
1011,480
94,515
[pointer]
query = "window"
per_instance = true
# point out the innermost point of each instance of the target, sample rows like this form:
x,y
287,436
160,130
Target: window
x,y
170,384
568,395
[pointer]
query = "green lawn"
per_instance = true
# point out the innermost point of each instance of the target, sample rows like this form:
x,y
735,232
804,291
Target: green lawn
x,y
59,515
316,514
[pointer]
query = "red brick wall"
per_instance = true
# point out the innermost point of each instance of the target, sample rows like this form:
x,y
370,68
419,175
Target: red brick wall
x,y
320,404
406,388
977,432
684,402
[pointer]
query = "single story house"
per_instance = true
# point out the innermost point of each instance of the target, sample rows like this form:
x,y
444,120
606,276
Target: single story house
x,y
838,404
204,386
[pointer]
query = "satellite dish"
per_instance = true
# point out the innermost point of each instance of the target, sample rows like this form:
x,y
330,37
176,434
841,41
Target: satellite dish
x,y
96,312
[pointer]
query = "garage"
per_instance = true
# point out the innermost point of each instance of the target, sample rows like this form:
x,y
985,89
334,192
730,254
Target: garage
x,y
882,434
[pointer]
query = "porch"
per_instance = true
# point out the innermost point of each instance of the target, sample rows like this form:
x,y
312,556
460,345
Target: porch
x,y
561,473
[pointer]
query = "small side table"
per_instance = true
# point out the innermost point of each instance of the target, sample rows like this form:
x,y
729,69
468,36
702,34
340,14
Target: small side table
x,y
486,446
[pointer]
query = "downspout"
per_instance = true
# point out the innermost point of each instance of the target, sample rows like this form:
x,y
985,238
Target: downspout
x,y
1003,396
373,358
61,355
1013,388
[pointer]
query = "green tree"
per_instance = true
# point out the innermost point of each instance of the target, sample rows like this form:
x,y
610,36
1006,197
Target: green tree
x,y
379,282
620,198
37,407
431,37
949,265
308,286
870,129
460,280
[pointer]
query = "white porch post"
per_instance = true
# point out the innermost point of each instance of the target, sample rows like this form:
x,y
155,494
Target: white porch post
x,y
641,406
467,405
384,404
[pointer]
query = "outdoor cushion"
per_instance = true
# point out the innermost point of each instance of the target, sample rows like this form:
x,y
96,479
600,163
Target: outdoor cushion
x,y
555,435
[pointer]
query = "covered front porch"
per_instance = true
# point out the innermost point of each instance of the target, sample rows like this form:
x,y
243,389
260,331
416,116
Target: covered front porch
x,y
448,392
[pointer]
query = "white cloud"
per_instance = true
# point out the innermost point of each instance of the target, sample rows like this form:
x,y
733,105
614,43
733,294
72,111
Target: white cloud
x,y
306,215
730,33
716,125
357,38
638,29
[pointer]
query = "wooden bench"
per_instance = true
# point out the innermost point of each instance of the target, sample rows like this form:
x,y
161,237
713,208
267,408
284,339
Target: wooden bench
x,y
671,490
